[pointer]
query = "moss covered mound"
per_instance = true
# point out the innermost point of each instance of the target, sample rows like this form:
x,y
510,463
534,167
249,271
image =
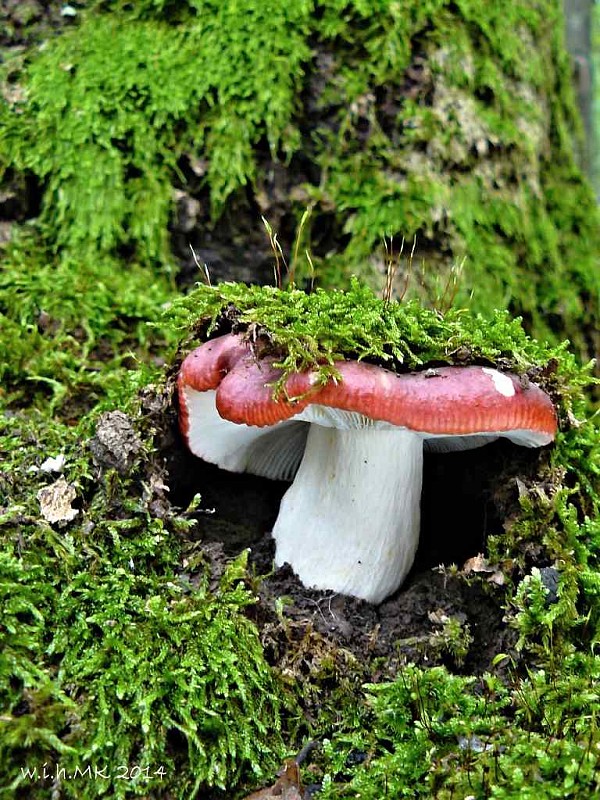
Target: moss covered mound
x,y
129,641
451,122
313,330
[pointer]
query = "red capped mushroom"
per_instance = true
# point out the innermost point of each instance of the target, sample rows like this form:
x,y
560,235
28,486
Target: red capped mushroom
x,y
353,447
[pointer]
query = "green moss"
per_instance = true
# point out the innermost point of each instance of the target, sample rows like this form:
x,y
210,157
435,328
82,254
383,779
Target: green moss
x,y
477,161
558,519
454,122
141,666
431,734
72,331
111,656
451,122
316,329
105,134
41,708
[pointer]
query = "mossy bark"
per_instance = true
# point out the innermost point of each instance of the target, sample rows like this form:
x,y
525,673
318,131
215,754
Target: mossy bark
x,y
455,124
451,122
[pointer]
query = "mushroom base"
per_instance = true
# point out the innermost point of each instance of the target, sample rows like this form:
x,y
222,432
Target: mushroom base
x,y
350,520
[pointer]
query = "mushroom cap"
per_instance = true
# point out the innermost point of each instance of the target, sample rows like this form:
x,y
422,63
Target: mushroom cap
x,y
463,403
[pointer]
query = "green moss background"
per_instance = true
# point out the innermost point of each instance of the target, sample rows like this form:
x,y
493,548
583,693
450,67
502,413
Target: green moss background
x,y
451,122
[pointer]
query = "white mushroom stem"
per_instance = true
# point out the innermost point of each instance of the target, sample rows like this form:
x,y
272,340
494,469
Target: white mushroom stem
x,y
350,520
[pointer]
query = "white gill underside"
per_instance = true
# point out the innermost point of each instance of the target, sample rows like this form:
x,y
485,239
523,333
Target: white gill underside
x,y
434,442
350,520
275,452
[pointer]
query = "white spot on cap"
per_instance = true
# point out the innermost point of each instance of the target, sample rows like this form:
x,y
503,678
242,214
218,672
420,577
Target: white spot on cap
x,y
502,383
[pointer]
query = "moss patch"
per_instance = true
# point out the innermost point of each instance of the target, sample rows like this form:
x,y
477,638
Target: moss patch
x,y
73,332
450,122
316,329
431,734
114,129
125,630
114,662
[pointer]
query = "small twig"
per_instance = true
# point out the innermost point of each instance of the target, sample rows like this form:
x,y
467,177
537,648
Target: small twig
x,y
305,752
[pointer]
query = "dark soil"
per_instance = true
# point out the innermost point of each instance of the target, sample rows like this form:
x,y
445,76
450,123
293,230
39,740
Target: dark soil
x,y
403,627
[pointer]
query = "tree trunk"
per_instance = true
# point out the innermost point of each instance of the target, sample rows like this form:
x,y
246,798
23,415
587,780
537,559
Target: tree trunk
x,y
451,125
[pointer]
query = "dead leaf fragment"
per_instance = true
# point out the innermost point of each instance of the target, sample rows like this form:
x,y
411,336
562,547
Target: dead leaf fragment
x,y
438,617
286,787
479,564
55,501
